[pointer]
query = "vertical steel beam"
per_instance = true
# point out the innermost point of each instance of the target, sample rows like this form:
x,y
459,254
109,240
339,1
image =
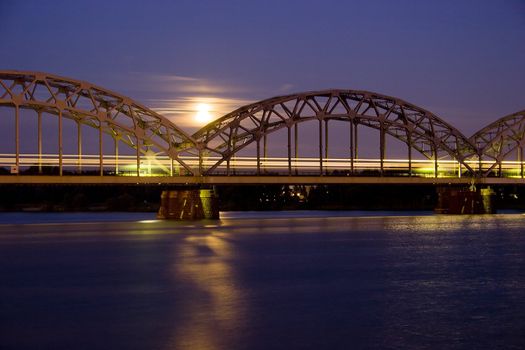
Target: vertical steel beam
x,y
171,166
100,150
409,144
200,169
320,147
381,148
351,146
60,148
234,164
480,170
138,155
200,161
326,139
258,143
17,137
79,146
229,153
39,141
265,149
296,144
520,150
116,155
289,129
458,160
435,161
356,142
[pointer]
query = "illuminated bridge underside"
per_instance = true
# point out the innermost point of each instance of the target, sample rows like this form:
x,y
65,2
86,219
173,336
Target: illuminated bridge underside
x,y
235,147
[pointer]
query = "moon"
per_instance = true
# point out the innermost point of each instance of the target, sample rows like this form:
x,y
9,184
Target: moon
x,y
203,115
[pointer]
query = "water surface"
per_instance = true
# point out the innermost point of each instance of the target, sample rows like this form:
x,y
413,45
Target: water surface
x,y
262,281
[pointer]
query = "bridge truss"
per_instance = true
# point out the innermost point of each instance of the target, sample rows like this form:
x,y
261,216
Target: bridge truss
x,y
502,140
238,143
124,120
419,129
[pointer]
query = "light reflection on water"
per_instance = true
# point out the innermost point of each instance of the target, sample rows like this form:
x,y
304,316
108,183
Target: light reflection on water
x,y
204,263
248,281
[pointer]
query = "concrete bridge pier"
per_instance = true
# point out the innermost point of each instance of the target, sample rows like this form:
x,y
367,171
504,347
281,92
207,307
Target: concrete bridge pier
x,y
188,204
463,200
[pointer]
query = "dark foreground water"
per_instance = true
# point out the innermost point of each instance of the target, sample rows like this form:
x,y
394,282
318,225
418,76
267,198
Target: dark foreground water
x,y
85,281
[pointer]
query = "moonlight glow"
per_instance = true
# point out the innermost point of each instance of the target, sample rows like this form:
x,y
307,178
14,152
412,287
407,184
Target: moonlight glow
x,y
203,115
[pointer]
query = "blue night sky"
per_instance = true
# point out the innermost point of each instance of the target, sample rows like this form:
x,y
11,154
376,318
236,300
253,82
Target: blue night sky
x,y
462,60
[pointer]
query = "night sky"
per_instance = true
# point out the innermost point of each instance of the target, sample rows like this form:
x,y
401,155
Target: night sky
x,y
462,60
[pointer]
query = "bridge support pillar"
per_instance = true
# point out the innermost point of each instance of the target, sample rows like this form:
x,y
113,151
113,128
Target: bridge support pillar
x,y
454,200
188,204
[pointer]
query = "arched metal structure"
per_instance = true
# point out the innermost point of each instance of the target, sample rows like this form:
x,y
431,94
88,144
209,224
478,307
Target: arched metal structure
x,y
418,128
500,139
215,145
124,119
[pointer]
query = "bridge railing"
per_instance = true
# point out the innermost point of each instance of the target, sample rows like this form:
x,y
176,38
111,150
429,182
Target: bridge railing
x,y
126,165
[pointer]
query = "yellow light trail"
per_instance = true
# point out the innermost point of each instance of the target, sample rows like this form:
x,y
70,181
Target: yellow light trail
x,y
160,164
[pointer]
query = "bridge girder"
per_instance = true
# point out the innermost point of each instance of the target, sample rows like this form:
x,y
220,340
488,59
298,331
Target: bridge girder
x,y
116,115
418,128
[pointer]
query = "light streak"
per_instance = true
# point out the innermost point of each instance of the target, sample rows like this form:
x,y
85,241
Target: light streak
x,y
160,165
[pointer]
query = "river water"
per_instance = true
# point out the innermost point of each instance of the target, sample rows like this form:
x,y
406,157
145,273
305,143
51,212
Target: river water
x,y
272,280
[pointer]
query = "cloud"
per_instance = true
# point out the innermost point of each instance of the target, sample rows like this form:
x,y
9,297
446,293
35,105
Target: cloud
x,y
180,84
177,97
286,88
182,110
170,78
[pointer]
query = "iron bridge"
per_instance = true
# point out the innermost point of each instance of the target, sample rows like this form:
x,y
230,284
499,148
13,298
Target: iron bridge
x,y
61,130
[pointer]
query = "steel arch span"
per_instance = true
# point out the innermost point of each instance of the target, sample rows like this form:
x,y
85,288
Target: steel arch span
x,y
419,129
124,119
499,141
243,134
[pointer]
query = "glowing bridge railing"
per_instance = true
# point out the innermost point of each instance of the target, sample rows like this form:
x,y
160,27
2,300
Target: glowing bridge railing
x,y
125,165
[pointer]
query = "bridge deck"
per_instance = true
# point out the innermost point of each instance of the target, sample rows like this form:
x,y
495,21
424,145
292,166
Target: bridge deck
x,y
249,180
